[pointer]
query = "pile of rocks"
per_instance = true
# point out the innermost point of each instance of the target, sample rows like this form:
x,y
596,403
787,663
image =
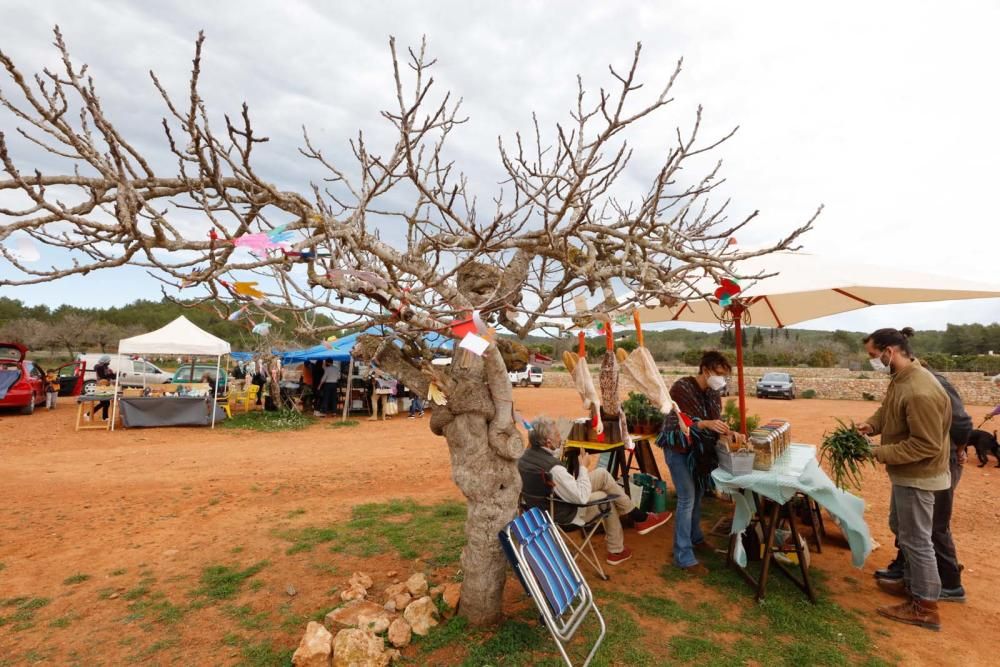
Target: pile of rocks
x,y
363,626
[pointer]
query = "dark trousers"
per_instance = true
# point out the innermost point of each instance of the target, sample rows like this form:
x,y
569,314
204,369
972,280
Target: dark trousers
x,y
328,398
944,546
103,407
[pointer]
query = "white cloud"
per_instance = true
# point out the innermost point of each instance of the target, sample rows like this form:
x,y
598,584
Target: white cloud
x,y
885,112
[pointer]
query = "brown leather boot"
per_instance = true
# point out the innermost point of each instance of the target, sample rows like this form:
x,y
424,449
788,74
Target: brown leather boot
x,y
895,587
915,612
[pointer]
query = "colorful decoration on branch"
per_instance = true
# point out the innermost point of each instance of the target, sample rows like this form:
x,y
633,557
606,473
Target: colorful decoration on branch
x,y
263,241
262,329
237,314
248,289
727,289
328,343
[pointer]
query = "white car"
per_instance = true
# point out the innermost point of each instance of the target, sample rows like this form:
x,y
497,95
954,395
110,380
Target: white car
x,y
131,372
531,376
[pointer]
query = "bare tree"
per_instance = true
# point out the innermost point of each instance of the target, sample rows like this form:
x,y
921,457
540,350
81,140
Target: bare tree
x,y
396,238
30,332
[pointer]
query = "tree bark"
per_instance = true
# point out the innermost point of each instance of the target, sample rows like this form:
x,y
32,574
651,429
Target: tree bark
x,y
484,443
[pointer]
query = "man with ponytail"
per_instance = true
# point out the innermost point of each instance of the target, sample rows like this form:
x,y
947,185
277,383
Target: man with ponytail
x,y
913,421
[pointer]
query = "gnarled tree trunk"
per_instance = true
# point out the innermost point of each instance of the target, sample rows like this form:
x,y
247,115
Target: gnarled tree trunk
x,y
484,444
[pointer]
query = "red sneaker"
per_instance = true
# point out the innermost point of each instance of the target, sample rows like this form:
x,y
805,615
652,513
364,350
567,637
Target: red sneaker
x,y
619,558
652,522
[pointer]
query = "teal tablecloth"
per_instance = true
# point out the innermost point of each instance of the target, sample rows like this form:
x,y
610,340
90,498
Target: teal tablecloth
x,y
796,471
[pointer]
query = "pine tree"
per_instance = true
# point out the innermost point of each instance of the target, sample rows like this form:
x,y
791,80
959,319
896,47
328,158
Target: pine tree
x,y
758,338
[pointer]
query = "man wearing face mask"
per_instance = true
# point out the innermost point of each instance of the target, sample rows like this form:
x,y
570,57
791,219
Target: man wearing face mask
x,y
541,466
914,421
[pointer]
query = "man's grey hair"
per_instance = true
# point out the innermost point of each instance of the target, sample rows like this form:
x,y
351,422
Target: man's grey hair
x,y
542,429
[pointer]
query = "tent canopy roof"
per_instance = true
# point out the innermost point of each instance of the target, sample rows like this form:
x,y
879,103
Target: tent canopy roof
x,y
340,350
179,337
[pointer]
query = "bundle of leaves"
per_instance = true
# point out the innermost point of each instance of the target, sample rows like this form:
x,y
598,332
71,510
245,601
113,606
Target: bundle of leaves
x,y
847,451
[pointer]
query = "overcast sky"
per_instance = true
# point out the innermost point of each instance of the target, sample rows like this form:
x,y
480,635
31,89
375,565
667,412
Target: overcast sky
x,y
885,112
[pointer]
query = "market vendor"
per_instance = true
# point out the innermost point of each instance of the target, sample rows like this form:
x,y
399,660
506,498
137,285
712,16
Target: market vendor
x,y
544,458
105,376
913,420
692,460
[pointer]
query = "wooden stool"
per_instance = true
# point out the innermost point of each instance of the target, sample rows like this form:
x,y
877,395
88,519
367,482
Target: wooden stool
x,y
82,425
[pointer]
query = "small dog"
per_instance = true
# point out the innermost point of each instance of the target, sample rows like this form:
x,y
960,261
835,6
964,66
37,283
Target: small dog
x,y
985,443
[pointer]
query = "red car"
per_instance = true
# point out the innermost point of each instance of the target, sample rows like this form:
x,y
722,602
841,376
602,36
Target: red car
x,y
22,383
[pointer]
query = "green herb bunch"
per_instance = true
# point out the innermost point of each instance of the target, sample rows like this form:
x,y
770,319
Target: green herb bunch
x,y
847,451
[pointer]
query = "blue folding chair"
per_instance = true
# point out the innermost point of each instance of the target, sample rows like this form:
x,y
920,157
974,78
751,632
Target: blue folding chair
x,y
551,577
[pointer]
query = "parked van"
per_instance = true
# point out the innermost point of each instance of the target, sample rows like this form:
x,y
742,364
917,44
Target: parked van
x,y
530,376
131,372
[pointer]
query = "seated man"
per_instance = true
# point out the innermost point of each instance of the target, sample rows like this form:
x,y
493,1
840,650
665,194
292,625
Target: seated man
x,y
544,457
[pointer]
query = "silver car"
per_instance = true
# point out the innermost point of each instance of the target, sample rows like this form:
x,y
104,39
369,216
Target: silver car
x,y
776,384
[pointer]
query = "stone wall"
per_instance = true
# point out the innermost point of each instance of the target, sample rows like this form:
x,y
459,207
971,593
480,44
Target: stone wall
x,y
831,383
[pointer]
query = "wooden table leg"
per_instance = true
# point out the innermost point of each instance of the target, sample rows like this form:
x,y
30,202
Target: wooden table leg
x,y
801,553
765,568
79,415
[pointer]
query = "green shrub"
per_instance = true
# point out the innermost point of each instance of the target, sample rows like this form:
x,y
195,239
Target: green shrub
x,y
867,396
731,415
808,393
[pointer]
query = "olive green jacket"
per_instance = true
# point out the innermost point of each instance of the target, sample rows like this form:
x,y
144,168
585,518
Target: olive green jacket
x,y
914,421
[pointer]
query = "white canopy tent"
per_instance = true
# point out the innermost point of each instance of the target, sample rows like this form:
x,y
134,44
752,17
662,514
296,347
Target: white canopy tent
x,y
181,337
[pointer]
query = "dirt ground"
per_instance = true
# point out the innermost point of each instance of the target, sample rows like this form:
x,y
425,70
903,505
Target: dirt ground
x,y
164,503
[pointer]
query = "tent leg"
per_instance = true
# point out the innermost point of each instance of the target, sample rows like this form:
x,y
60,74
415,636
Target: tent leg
x,y
347,396
114,400
218,363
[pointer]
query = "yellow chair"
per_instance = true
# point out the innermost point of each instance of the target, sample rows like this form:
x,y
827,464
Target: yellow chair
x,y
251,397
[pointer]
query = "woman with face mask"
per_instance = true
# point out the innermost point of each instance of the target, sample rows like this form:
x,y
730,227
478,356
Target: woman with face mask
x,y
914,421
698,397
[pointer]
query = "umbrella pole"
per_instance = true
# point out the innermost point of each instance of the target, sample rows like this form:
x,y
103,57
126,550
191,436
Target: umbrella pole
x,y
737,311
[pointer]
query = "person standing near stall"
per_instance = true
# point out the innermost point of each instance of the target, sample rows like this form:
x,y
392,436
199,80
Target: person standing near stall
x,y
105,377
690,461
948,566
328,387
913,420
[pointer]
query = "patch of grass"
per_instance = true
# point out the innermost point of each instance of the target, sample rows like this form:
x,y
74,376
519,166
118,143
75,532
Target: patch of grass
x,y
77,578
412,530
63,621
156,607
294,513
117,573
154,648
222,582
513,644
269,422
689,649
345,424
245,616
236,550
256,585
3,566
264,654
24,610
135,593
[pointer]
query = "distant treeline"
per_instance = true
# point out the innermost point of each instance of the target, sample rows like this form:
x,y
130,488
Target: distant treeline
x,y
67,330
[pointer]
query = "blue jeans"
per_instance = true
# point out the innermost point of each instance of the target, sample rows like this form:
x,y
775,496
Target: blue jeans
x,y
687,515
416,406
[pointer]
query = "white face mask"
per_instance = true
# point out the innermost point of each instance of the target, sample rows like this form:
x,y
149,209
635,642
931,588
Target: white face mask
x,y
716,382
879,366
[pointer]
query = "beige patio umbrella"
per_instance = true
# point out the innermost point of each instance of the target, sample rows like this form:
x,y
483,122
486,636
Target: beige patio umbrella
x,y
808,286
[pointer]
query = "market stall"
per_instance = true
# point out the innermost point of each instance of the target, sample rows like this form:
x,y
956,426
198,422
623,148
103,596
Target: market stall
x,y
181,405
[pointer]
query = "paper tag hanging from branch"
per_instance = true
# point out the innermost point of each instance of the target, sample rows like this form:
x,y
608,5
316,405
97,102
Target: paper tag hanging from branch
x,y
237,314
475,344
262,329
